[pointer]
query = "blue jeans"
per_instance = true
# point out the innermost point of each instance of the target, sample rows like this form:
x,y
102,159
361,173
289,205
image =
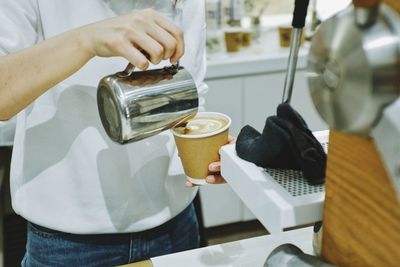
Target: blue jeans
x,y
46,247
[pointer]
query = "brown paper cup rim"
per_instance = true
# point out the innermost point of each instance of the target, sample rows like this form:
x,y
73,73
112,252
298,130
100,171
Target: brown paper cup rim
x,y
207,114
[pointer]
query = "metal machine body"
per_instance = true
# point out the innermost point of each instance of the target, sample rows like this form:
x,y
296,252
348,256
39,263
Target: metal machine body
x,y
291,256
354,67
354,77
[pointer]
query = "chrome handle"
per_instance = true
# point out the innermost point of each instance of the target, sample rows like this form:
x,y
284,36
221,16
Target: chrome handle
x,y
127,72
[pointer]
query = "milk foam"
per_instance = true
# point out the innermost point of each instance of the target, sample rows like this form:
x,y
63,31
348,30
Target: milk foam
x,y
203,126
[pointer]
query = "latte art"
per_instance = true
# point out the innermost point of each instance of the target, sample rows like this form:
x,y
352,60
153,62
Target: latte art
x,y
202,125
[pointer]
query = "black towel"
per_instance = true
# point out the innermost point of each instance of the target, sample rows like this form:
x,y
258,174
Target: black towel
x,y
285,143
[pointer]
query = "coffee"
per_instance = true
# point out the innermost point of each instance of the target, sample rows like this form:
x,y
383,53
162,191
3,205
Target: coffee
x,y
202,125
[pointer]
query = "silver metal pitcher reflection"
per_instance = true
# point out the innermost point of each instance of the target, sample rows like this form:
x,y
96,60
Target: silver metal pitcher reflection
x,y
140,104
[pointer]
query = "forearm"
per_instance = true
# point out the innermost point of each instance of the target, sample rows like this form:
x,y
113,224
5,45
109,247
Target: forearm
x,y
139,37
27,74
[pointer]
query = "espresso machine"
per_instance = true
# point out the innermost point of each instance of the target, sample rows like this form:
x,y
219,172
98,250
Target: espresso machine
x,y
354,76
354,81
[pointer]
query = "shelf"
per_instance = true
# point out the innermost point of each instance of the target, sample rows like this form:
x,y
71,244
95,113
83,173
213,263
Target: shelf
x,y
279,199
247,62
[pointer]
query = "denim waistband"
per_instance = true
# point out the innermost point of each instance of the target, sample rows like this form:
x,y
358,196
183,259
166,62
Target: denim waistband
x,y
187,212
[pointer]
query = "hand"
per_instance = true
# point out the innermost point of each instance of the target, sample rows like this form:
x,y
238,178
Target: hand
x,y
140,37
215,170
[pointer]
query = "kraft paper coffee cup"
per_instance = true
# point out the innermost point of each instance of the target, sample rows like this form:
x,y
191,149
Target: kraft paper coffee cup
x,y
285,36
197,151
247,38
233,39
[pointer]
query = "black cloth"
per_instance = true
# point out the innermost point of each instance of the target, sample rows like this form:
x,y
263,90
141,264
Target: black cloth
x,y
285,143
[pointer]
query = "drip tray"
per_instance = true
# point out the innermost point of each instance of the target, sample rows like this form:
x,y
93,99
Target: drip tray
x,y
293,182
279,199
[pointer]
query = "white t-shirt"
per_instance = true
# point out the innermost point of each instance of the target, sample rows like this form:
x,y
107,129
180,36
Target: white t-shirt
x,y
66,173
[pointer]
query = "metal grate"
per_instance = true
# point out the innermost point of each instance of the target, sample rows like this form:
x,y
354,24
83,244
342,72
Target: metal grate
x,y
294,182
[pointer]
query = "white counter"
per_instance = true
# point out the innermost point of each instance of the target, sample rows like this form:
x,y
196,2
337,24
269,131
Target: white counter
x,y
245,253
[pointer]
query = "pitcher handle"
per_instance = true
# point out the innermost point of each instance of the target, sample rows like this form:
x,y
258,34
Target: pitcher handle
x,y
130,68
127,72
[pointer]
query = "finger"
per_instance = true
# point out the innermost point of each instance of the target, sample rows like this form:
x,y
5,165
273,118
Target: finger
x,y
189,184
176,32
215,166
133,55
150,46
163,37
231,139
215,179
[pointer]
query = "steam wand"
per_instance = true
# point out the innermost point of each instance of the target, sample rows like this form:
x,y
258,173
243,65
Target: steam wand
x,y
298,22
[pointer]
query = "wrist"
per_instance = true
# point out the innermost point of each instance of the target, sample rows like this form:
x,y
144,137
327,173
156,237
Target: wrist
x,y
83,40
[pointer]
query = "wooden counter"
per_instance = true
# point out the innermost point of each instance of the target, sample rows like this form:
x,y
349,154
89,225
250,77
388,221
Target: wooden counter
x,y
140,264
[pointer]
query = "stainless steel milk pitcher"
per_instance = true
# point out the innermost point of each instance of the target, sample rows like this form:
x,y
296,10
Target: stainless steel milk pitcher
x,y
140,104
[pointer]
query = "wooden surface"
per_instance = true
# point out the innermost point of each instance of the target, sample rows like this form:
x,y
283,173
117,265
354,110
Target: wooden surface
x,y
146,263
393,3
366,3
361,212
